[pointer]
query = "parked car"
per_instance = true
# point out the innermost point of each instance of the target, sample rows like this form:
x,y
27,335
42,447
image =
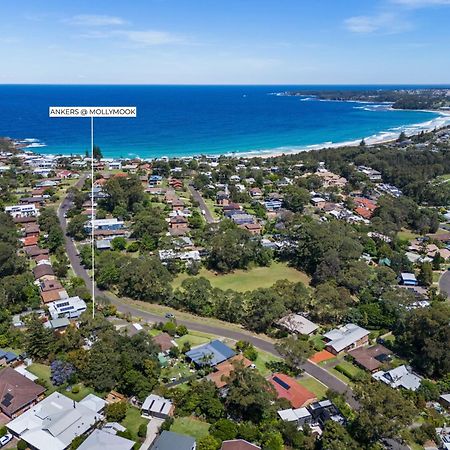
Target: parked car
x,y
5,439
169,316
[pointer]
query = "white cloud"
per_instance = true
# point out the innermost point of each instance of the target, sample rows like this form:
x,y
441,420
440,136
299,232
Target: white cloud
x,y
92,20
151,37
421,3
143,38
384,23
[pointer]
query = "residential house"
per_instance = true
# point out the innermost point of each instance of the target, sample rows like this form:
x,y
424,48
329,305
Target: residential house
x,y
223,370
253,228
105,225
156,406
444,400
165,341
238,444
179,223
7,358
371,358
43,272
54,423
58,325
399,377
346,338
325,410
17,393
288,388
100,439
295,323
408,279
318,202
212,353
168,440
71,308
222,198
299,416
17,211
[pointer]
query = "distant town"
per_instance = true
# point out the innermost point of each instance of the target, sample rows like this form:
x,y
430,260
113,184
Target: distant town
x,y
291,302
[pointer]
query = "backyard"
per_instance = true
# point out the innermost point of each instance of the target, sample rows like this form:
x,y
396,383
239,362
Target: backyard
x,y
190,426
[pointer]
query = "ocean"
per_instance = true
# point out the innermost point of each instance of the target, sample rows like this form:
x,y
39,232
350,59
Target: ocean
x,y
192,120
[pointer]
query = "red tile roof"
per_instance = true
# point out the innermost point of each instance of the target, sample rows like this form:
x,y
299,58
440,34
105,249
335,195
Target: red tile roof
x,y
289,389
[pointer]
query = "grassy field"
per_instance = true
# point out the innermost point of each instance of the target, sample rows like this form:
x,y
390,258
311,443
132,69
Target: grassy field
x,y
40,370
248,280
190,426
133,420
315,386
407,234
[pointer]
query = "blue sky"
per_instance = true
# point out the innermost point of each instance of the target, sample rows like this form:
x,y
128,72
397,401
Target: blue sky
x,y
225,41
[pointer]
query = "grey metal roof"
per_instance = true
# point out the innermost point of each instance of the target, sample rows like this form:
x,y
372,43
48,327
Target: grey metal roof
x,y
99,439
168,440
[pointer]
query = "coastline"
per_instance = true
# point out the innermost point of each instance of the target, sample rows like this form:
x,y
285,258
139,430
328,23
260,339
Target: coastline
x,y
382,137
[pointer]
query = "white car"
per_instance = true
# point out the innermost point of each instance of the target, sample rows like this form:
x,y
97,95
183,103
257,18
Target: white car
x,y
5,439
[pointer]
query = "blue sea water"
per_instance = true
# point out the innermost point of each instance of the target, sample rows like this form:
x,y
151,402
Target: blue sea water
x,y
188,120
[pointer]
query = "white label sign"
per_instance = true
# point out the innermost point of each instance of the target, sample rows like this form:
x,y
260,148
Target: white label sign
x,y
92,111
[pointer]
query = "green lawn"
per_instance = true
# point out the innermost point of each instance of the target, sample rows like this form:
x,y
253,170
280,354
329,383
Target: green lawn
x,y
249,280
40,370
317,341
261,361
43,372
315,386
133,420
190,426
351,369
193,338
407,234
340,375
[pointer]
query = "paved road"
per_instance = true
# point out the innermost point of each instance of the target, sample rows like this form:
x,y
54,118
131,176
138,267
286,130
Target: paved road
x,y
444,283
312,369
203,206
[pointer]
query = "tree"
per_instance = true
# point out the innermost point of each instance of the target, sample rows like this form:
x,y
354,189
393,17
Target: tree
x,y
384,412
119,243
116,412
61,372
272,440
76,227
336,437
38,339
196,296
97,152
295,350
295,198
250,396
424,336
264,307
425,276
224,430
208,442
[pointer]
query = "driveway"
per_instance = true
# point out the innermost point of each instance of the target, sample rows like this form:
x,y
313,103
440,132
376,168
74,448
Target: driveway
x,y
152,431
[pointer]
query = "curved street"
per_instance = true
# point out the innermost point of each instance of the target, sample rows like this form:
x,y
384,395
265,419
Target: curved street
x,y
444,283
312,369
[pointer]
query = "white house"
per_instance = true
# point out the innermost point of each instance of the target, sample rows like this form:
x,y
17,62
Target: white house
x,y
54,423
71,308
156,406
22,210
399,377
295,323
